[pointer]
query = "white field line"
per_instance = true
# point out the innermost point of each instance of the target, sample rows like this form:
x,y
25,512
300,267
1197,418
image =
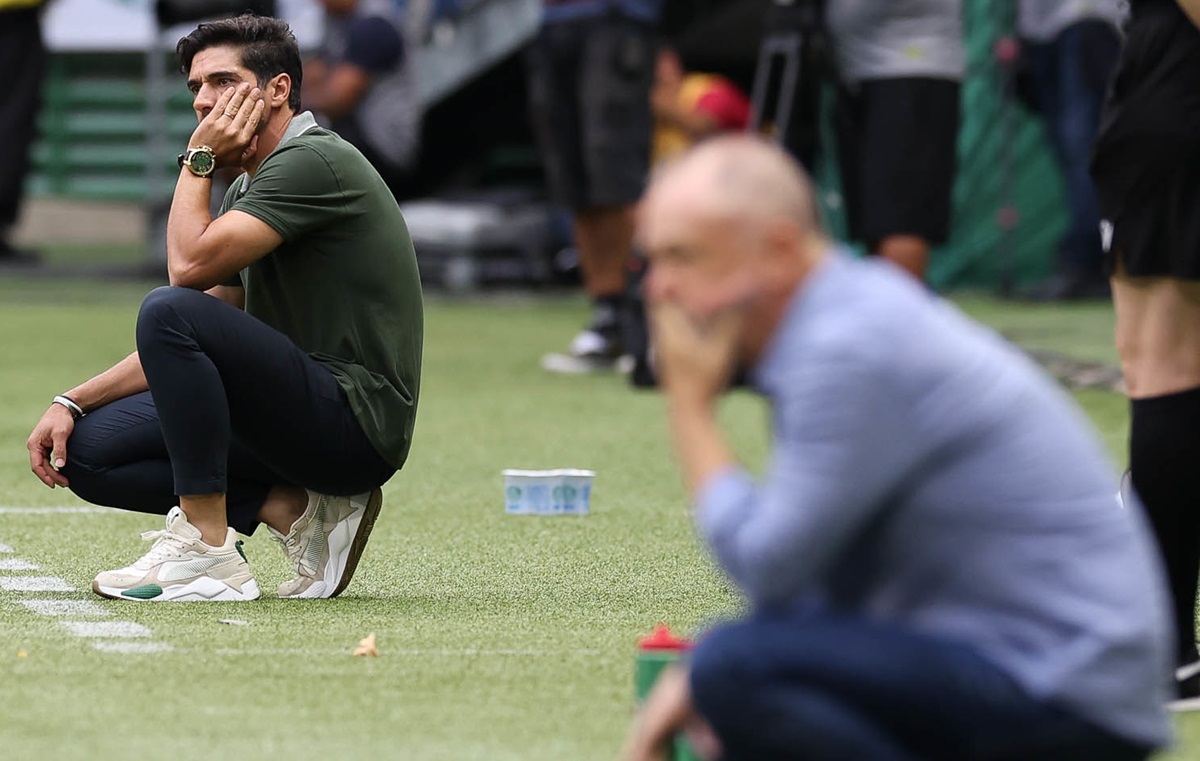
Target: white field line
x,y
60,608
109,636
34,584
127,648
81,510
113,629
225,652
18,564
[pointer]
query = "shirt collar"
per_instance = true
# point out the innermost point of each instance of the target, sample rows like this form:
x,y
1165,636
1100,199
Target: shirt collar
x,y
301,123
776,359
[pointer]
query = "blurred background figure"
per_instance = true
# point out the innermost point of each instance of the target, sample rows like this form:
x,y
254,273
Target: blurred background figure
x,y
23,55
1069,49
690,106
901,65
1146,166
361,84
591,69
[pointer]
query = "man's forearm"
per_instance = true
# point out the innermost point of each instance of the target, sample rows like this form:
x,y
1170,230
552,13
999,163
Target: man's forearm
x,y
698,442
188,219
121,380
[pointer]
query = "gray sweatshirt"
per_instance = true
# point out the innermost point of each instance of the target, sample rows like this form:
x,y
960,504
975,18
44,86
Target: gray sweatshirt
x,y
926,473
887,39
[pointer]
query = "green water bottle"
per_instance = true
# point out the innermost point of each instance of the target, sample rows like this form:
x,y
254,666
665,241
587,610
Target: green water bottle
x,y
655,652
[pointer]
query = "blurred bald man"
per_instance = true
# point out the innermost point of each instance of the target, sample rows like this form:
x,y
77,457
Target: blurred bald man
x,y
934,560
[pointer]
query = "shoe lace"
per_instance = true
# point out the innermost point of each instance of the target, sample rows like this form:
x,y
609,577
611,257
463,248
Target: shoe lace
x,y
167,545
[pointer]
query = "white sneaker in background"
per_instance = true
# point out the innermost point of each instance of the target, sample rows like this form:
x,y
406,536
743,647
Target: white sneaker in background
x,y
180,567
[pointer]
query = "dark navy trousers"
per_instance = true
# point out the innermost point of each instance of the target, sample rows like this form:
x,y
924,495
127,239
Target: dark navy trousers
x,y
815,686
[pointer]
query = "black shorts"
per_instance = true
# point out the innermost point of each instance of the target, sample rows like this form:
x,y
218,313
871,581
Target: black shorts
x,y
589,91
897,142
1146,161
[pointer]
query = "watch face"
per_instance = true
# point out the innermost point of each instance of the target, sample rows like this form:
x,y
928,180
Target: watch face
x,y
201,162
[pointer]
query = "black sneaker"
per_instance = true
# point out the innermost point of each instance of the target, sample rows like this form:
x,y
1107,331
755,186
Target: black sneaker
x,y
1187,689
11,256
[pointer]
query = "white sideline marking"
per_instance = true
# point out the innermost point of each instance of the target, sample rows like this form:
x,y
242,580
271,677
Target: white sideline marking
x,y
86,510
106,628
18,564
1188,705
65,608
34,584
106,646
5,548
386,651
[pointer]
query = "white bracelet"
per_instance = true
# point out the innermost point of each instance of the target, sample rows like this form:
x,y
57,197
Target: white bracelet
x,y
76,410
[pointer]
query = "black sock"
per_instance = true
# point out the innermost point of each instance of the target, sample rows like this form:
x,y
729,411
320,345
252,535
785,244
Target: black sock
x,y
606,311
1164,460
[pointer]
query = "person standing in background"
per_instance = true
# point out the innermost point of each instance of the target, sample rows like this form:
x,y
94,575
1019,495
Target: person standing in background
x,y
591,69
22,54
361,83
1069,48
901,64
1146,165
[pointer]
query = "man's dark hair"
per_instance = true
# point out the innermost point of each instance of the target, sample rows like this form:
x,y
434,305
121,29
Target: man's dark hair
x,y
267,45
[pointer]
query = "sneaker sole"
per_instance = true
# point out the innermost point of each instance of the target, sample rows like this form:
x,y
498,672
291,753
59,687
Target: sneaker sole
x,y
567,364
204,589
361,533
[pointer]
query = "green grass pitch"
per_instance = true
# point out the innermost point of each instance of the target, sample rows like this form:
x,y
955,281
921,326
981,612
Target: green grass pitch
x,y
501,637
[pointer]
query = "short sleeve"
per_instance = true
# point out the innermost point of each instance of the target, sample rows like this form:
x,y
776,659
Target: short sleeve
x,y
373,44
296,191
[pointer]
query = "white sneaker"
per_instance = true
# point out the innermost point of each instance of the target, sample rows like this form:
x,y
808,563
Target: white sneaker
x,y
591,352
326,542
180,567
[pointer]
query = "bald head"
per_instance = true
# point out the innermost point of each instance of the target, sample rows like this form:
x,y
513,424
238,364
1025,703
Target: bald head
x,y
730,226
739,177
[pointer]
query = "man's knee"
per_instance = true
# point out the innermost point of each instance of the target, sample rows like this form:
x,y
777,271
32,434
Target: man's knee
x,y
166,307
723,673
87,461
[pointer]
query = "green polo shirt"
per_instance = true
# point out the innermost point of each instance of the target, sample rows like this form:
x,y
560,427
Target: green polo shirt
x,y
344,284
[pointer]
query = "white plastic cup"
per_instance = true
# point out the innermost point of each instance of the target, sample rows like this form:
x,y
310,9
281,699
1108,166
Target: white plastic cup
x,y
548,492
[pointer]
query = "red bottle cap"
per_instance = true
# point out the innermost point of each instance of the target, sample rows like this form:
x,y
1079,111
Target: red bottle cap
x,y
662,638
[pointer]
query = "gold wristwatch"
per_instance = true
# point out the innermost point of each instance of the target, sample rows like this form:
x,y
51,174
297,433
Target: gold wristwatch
x,y
200,161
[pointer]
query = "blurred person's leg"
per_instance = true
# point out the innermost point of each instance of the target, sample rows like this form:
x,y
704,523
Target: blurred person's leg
x,y
791,685
608,170
604,235
903,135
1148,192
23,54
1158,339
1070,76
910,252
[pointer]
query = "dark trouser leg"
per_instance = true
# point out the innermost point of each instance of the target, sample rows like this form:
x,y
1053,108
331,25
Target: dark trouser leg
x,y
22,53
239,408
815,686
1082,75
117,458
1164,450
